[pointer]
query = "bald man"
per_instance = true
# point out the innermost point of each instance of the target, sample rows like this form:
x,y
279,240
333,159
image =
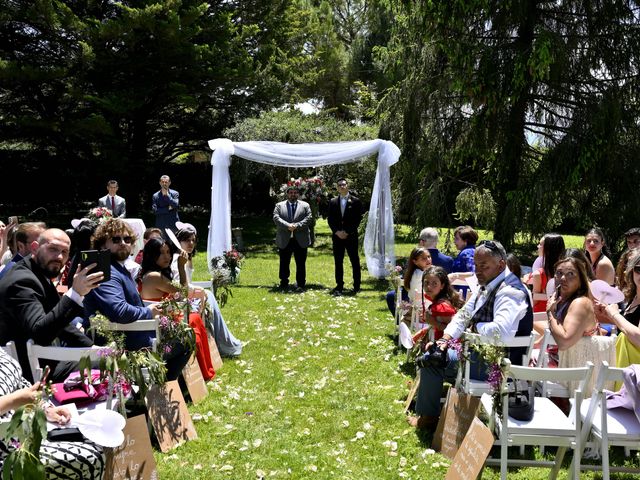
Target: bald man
x,y
30,306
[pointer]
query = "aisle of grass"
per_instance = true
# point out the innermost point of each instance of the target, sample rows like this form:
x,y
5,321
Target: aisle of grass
x,y
318,391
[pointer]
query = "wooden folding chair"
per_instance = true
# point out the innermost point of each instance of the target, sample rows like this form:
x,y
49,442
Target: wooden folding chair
x,y
549,426
616,426
477,388
61,354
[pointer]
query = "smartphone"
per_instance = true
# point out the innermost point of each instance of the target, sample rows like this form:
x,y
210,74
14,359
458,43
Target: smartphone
x,y
102,258
13,220
45,375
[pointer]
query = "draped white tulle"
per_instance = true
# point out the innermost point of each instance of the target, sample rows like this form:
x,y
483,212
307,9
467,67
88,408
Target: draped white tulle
x,y
378,241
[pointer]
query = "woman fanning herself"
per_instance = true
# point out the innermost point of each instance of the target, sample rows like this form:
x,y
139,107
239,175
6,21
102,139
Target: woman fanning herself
x,y
598,254
156,284
445,301
228,345
628,343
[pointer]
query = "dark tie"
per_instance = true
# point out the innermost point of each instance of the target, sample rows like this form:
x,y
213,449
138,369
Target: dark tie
x,y
113,205
292,209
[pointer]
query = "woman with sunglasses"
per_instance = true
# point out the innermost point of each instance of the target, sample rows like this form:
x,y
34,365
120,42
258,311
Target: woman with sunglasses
x,y
628,342
155,278
228,345
598,254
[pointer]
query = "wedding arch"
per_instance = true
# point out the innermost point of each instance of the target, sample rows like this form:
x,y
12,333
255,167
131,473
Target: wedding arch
x,y
378,240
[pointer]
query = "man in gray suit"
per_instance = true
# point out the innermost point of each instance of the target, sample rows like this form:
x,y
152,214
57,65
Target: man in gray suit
x,y
113,202
292,218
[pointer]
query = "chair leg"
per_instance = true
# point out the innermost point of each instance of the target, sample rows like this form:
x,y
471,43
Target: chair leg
x,y
504,454
605,458
558,463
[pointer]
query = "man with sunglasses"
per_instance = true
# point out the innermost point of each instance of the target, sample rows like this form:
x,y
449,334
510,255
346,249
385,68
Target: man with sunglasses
x,y
501,308
118,298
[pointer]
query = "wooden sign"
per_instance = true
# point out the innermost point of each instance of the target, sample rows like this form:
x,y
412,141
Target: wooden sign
x,y
472,453
169,415
133,460
455,420
194,380
216,359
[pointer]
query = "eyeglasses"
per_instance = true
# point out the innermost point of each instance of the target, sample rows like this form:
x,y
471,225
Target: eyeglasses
x,y
490,244
636,269
128,240
342,184
568,275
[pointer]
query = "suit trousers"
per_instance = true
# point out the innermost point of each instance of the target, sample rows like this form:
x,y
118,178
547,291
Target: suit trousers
x,y
350,244
300,255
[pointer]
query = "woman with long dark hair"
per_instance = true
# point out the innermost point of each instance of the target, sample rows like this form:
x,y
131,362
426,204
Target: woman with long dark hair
x,y
595,246
552,250
155,277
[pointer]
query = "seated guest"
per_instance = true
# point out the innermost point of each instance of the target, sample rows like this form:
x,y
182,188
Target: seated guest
x,y
500,309
25,234
429,240
419,260
155,276
118,298
572,321
228,345
6,231
465,239
61,460
579,255
445,301
598,255
632,239
628,342
80,241
151,232
30,307
552,250
513,264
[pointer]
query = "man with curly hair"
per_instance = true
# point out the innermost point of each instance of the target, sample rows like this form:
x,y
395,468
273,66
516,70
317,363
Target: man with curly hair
x,y
118,298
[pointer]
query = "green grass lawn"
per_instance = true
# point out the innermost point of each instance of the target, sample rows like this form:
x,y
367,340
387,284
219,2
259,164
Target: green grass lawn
x,y
318,391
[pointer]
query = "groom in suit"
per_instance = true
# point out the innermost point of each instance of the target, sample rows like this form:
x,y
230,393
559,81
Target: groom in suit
x,y
293,236
114,202
345,214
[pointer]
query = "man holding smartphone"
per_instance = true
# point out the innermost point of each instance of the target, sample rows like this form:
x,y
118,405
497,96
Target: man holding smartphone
x,y
165,203
31,308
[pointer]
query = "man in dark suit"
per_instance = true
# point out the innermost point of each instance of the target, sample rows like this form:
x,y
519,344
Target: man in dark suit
x,y
293,236
118,298
113,202
345,214
31,308
429,240
165,203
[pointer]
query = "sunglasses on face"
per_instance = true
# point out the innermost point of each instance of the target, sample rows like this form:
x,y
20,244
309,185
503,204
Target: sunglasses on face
x,y
128,240
636,269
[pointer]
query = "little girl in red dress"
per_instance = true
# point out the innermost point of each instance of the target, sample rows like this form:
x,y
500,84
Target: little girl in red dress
x,y
445,301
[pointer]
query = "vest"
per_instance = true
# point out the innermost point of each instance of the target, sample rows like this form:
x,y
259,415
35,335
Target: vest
x,y
485,314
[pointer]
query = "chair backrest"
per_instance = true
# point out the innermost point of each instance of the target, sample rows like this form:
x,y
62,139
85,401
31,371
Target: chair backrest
x,y
539,316
146,325
10,349
63,354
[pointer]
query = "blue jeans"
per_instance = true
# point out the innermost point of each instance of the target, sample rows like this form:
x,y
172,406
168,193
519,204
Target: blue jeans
x,y
391,300
432,378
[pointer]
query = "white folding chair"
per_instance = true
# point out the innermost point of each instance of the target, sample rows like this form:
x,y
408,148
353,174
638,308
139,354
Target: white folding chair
x,y
147,325
10,349
61,354
549,426
462,282
477,388
617,426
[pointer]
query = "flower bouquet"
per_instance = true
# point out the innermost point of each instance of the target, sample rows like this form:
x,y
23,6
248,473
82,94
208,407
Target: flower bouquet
x,y
99,214
174,322
225,270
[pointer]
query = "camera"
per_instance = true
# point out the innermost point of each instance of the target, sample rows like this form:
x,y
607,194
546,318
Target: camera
x,y
434,357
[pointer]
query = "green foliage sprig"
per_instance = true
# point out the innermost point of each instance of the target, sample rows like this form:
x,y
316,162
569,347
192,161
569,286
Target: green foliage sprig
x,y
225,269
27,429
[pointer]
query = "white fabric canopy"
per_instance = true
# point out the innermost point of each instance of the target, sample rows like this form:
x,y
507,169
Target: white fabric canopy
x,y
378,241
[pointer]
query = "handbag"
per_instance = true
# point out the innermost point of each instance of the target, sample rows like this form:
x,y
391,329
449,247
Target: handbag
x,y
521,400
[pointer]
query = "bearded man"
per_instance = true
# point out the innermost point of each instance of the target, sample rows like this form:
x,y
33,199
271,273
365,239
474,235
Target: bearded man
x,y
31,308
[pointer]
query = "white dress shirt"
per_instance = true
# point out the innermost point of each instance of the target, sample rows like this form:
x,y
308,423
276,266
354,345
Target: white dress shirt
x,y
509,308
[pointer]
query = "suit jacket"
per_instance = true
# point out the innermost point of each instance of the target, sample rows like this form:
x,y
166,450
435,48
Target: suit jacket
x,y
439,259
166,217
121,206
30,307
350,221
302,217
118,299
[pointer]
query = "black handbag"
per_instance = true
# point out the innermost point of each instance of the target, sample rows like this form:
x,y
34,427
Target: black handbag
x,y
521,397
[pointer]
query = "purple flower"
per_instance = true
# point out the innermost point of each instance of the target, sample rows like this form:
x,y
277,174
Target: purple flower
x,y
167,349
106,352
495,376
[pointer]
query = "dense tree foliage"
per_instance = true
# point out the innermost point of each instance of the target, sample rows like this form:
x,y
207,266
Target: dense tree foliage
x,y
534,101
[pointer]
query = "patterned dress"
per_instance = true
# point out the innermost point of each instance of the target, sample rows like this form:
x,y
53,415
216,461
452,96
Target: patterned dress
x,y
62,460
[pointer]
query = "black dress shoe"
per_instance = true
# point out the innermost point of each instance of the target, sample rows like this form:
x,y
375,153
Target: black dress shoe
x,y
336,291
